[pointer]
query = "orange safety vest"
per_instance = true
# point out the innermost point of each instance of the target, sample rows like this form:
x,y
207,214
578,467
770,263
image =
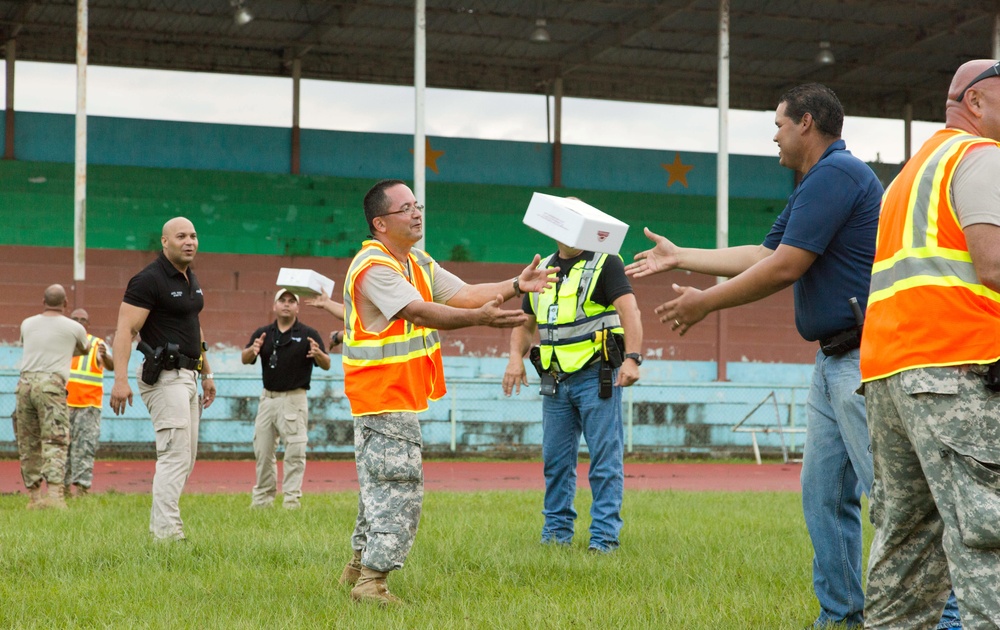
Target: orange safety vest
x,y
927,307
399,368
86,378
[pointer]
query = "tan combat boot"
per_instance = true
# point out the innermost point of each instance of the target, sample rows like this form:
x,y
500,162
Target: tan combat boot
x,y
352,572
55,498
371,587
35,500
82,491
68,490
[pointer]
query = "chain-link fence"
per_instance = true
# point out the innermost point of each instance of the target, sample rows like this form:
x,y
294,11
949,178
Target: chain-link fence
x,y
476,418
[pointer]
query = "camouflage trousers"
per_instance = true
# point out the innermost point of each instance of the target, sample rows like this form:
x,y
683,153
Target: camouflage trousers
x,y
936,499
391,477
42,427
85,433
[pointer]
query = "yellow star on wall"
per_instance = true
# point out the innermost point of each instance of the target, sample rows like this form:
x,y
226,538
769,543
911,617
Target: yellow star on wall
x,y
431,156
678,171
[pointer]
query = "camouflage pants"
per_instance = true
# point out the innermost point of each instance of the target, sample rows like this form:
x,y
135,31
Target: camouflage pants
x,y
42,427
85,433
936,500
391,476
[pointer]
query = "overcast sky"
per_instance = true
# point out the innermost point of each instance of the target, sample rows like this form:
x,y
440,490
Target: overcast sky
x,y
214,98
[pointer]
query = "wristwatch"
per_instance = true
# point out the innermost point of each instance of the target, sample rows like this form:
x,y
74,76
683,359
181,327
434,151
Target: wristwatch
x,y
517,286
635,356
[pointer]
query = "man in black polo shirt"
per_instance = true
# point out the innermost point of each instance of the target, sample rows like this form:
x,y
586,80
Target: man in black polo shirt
x,y
288,350
162,303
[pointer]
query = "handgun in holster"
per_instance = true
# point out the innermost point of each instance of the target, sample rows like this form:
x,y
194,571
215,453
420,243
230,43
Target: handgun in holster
x,y
152,365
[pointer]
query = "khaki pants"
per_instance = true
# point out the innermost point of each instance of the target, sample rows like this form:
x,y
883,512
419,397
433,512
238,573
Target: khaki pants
x,y
280,415
42,427
175,411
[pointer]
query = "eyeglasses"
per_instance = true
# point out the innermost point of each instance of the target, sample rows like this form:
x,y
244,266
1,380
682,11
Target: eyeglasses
x,y
992,71
408,210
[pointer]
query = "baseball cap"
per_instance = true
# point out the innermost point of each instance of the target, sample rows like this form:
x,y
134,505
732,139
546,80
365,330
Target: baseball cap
x,y
277,296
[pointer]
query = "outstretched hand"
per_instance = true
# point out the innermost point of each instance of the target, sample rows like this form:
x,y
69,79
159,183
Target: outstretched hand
x,y
490,314
662,257
533,280
685,311
257,343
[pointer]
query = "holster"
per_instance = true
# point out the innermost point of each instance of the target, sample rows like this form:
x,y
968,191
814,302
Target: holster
x,y
153,363
535,357
992,377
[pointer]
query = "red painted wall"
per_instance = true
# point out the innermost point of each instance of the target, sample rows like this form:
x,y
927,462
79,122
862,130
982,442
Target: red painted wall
x,y
239,290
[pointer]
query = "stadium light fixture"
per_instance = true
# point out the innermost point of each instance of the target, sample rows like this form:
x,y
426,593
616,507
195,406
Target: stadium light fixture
x,y
541,33
241,15
825,56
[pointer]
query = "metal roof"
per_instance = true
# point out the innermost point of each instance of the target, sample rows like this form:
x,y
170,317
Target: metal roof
x,y
888,52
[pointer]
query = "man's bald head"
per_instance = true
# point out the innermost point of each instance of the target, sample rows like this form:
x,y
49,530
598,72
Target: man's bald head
x,y
967,114
176,224
180,242
55,296
80,315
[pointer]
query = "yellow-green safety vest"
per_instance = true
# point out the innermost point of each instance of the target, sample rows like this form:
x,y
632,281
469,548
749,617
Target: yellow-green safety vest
x,y
567,318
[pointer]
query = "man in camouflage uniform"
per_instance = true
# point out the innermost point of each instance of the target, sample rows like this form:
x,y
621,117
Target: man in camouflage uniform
x,y
396,298
85,397
50,340
929,363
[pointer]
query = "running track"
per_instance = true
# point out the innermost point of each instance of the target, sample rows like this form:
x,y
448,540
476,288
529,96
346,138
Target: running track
x,y
339,476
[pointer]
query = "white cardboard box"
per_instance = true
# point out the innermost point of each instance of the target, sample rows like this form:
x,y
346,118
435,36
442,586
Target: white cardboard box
x,y
574,223
304,282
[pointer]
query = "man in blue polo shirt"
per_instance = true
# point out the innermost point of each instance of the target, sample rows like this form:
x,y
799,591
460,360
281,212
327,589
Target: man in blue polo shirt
x,y
823,243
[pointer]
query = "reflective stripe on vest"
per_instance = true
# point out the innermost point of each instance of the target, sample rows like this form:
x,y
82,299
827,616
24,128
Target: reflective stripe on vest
x,y
927,306
571,336
86,378
399,368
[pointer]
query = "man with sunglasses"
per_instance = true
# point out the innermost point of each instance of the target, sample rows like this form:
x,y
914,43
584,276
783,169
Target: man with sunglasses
x,y
288,350
929,364
396,298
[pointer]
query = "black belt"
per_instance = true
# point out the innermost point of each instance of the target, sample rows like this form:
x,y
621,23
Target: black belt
x,y
183,362
842,342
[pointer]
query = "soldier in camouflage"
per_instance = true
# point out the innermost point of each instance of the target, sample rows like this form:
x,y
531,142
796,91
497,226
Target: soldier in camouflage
x,y
396,298
50,340
929,363
85,397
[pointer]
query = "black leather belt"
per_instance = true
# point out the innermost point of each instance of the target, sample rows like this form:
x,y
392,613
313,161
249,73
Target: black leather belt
x,y
183,362
842,342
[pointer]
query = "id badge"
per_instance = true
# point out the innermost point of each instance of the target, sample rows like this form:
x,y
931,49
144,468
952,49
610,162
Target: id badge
x,y
553,313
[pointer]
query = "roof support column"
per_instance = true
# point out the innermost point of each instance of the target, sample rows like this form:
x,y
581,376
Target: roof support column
x,y
296,132
419,133
8,141
907,131
80,183
557,94
996,36
722,177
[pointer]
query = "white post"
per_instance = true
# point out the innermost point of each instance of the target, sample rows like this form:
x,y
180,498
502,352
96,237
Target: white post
x,y
11,54
80,186
419,134
722,175
296,147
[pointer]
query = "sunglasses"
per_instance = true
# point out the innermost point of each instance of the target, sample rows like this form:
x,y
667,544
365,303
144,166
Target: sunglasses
x,y
273,361
992,71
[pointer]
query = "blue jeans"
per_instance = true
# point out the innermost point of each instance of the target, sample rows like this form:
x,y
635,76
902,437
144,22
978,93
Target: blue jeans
x,y
577,409
836,470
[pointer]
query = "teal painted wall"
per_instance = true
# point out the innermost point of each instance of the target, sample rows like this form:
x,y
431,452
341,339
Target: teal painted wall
x,y
676,408
120,141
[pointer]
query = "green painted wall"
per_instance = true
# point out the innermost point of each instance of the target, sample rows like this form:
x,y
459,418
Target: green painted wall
x,y
271,214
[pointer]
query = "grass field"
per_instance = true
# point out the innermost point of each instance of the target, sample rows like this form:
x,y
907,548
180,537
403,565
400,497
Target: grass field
x,y
688,560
